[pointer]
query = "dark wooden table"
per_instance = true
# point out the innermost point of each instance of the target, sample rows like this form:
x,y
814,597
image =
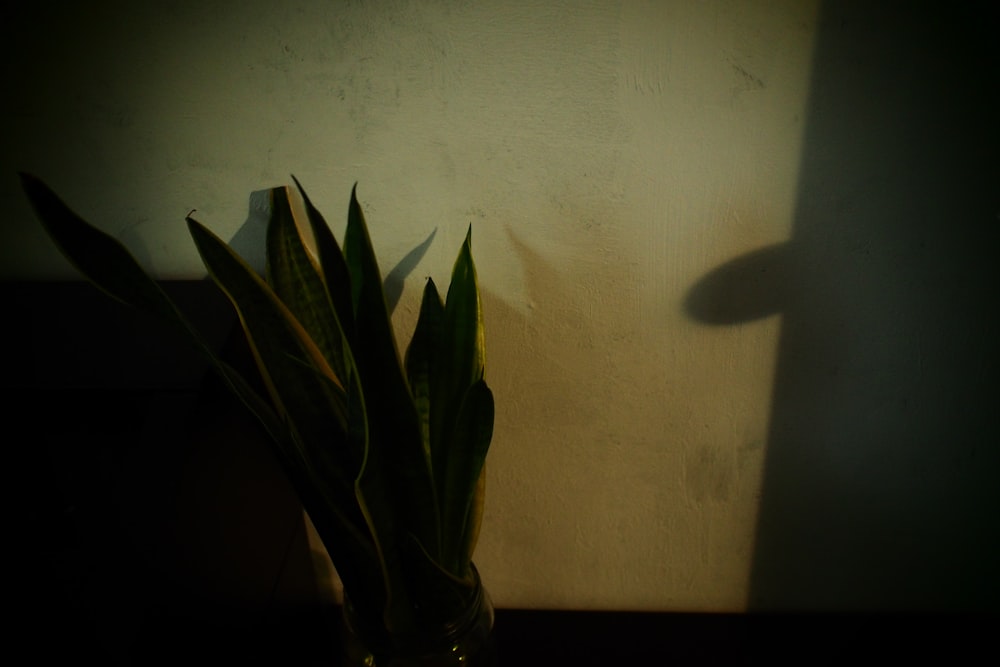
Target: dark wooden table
x,y
546,638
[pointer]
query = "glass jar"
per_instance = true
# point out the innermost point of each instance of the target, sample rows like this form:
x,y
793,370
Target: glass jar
x,y
468,641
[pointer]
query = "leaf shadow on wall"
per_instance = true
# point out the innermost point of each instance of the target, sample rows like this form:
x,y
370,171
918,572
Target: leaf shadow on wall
x,y
574,446
879,488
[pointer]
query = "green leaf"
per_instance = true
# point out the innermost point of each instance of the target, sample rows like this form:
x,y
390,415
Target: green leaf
x,y
301,286
460,357
395,488
419,360
473,521
284,351
464,343
296,280
459,365
392,417
463,483
315,404
340,526
100,257
315,408
340,521
335,273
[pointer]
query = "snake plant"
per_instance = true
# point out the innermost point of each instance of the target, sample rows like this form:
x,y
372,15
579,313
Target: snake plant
x,y
386,453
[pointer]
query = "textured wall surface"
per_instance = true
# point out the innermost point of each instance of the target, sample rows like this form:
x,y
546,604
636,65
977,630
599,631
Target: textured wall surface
x,y
613,158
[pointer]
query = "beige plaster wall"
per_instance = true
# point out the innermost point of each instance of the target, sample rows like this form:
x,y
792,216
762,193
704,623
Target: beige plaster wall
x,y
607,155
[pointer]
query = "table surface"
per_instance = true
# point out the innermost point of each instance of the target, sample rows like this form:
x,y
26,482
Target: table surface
x,y
529,638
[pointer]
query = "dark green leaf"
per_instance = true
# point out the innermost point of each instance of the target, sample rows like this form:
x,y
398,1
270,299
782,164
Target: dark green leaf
x,y
100,257
296,280
419,359
461,499
461,413
289,360
334,268
395,488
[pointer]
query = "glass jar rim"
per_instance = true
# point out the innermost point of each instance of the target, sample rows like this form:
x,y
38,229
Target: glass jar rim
x,y
434,637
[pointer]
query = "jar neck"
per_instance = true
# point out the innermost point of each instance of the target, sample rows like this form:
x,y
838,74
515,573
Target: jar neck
x,y
435,635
